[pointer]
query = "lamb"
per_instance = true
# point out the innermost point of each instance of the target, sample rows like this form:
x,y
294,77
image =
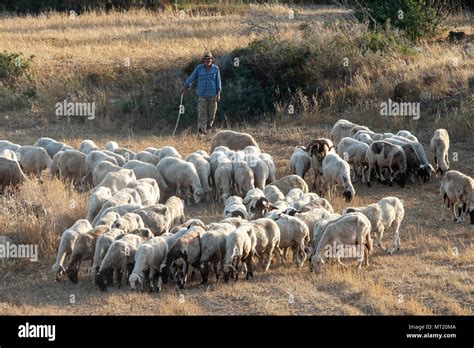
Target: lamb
x,y
388,213
83,250
71,166
273,193
203,168
300,161
233,140
51,146
147,157
128,222
244,179
8,154
168,151
33,159
66,245
148,190
185,252
440,146
342,128
294,234
176,208
234,207
223,179
101,247
240,248
96,200
148,257
156,217
382,154
456,189
354,152
260,170
119,257
268,240
92,159
181,175
289,182
11,174
350,229
54,169
101,170
117,180
271,166
213,250
8,145
88,146
146,170
336,172
119,198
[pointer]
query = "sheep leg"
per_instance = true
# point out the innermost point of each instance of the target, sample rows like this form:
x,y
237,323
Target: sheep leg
x,y
303,254
269,260
204,272
279,254
151,277
249,266
380,244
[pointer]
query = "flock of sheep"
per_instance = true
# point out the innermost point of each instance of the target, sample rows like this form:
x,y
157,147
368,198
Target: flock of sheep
x,y
130,237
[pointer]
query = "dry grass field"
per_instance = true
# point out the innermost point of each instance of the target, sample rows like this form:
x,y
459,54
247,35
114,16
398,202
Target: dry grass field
x,y
431,274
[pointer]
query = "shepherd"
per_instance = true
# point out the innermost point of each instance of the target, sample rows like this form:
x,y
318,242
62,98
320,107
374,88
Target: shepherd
x,y
208,92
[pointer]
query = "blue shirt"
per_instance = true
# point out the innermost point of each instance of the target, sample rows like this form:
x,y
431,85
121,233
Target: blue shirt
x,y
209,80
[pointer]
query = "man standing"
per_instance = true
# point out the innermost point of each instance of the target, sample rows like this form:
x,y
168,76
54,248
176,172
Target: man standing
x,y
208,91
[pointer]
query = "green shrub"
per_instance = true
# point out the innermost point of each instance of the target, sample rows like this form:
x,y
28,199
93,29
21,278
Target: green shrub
x,y
16,73
418,18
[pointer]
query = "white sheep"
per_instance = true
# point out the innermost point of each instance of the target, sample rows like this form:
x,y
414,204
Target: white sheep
x,y
156,217
240,248
224,179
243,178
146,170
273,193
96,200
234,207
182,176
268,240
51,146
111,145
342,128
88,146
33,159
149,257
83,250
66,245
354,152
101,170
300,161
120,254
111,211
119,158
352,229
147,157
119,198
71,166
294,234
260,169
252,150
439,145
92,159
148,190
233,140
271,165
176,208
54,168
203,168
290,182
318,149
168,151
129,222
117,180
252,197
102,245
407,134
317,203
336,172
456,189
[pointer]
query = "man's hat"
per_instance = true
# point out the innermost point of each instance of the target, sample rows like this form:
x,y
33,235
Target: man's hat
x,y
207,55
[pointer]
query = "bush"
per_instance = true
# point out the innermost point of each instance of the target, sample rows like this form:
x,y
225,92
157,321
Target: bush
x,y
418,18
15,72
